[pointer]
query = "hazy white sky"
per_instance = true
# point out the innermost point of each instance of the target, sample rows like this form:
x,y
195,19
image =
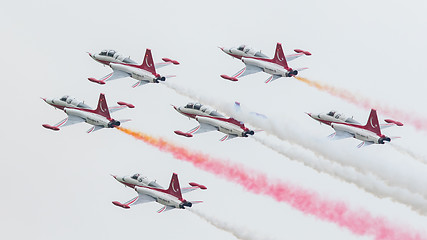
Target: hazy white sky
x,y
57,184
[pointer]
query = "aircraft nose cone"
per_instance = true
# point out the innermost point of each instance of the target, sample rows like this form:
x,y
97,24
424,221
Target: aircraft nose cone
x,y
309,114
176,108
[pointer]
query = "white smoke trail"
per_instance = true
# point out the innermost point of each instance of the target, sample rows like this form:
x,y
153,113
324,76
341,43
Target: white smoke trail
x,y
367,182
403,150
237,231
392,172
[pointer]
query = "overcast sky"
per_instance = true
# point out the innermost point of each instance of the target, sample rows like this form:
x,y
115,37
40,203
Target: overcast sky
x,y
56,185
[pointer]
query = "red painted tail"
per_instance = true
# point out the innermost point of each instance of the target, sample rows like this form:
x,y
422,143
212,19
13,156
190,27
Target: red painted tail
x,y
102,108
174,188
373,124
279,56
148,63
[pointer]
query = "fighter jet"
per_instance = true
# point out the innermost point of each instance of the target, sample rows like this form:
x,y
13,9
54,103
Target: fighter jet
x,y
346,127
144,73
255,62
247,51
78,112
210,120
148,191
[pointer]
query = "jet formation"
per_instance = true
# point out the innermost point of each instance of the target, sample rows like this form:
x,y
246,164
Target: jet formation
x,y
208,119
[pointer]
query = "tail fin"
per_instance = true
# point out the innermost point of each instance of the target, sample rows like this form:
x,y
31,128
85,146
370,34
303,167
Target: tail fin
x,y
373,124
279,56
174,188
148,63
102,108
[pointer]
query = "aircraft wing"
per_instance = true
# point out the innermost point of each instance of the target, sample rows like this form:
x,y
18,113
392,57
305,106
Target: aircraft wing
x,y
141,198
162,64
293,56
202,128
272,78
116,108
70,120
340,135
248,70
116,74
189,189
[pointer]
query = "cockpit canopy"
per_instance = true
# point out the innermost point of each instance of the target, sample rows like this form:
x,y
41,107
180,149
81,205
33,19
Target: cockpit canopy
x,y
72,101
206,110
250,51
341,117
144,180
117,56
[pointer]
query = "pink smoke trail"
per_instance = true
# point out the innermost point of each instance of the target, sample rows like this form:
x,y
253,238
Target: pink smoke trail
x,y
359,222
419,122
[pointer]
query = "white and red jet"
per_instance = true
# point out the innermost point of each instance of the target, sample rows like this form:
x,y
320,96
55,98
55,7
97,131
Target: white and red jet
x,y
125,67
78,112
346,127
210,120
255,62
247,51
150,191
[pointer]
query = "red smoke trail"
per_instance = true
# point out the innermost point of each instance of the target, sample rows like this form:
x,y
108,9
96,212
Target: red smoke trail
x,y
418,122
359,221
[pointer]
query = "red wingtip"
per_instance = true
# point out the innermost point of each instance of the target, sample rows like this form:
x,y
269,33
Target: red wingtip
x,y
96,81
302,51
234,79
126,104
120,205
193,184
395,122
170,60
183,133
50,127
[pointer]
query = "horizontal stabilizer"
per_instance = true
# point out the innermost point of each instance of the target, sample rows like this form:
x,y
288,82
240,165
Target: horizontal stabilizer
x,y
364,144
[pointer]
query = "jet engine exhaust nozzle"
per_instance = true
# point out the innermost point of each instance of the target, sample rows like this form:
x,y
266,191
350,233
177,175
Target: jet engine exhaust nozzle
x,y
185,204
383,139
113,123
292,73
249,132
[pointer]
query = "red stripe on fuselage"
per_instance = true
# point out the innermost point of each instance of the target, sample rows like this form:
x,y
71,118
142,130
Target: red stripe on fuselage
x,y
163,191
267,60
229,120
357,126
89,110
